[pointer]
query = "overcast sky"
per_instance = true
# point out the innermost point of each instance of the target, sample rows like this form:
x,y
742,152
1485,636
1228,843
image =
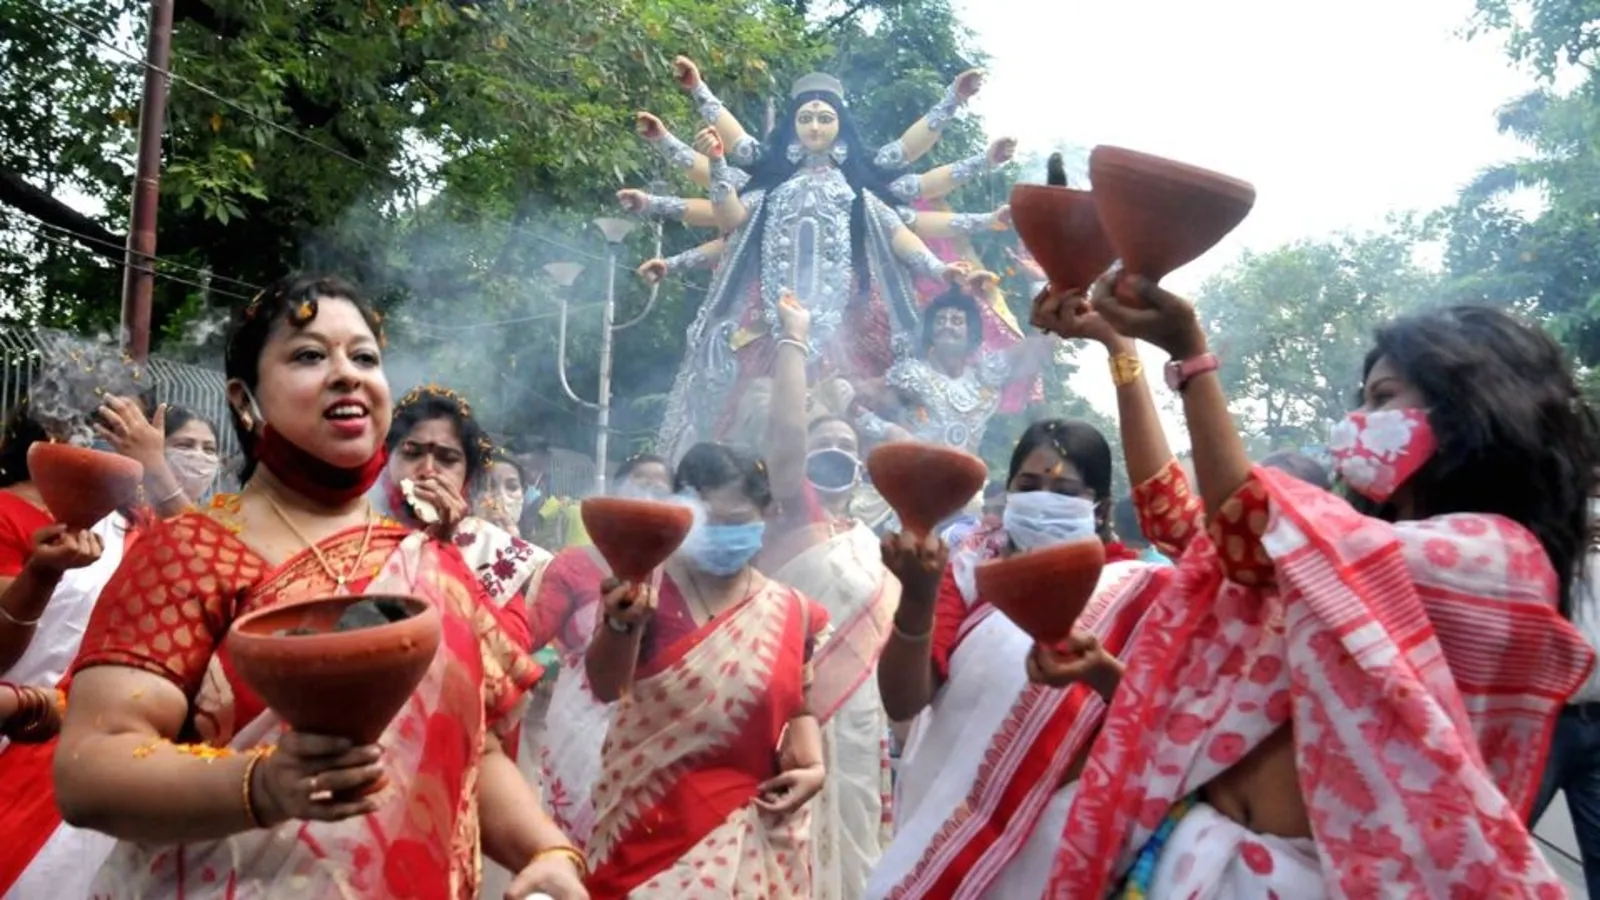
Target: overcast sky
x,y
1338,112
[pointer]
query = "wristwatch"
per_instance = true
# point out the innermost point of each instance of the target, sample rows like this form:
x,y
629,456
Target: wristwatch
x,y
1180,372
619,627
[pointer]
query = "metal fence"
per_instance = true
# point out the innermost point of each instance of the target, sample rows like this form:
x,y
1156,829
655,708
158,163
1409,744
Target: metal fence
x,y
204,392
196,388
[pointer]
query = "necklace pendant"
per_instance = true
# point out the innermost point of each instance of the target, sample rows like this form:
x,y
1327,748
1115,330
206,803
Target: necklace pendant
x,y
338,586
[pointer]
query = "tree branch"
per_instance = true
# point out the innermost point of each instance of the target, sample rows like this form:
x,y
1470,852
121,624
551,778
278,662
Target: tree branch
x,y
17,193
851,12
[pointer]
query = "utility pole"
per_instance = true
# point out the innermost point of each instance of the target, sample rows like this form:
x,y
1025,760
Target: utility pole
x,y
138,271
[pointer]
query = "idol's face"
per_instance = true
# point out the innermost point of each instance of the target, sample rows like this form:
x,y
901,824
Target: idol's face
x,y
817,126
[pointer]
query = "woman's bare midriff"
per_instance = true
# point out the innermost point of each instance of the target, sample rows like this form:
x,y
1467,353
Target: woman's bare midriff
x,y
1262,791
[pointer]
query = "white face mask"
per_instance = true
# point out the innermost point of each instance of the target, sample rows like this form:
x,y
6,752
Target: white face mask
x,y
1037,519
510,504
195,470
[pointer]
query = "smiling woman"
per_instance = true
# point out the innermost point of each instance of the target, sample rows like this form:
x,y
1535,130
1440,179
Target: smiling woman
x,y
212,795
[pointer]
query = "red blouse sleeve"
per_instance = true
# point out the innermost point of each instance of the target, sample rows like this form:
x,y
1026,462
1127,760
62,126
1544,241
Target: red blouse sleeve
x,y
1170,514
19,519
169,606
555,601
950,610
1237,531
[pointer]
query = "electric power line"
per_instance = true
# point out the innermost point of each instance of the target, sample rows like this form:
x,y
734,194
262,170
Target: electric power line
x,y
101,242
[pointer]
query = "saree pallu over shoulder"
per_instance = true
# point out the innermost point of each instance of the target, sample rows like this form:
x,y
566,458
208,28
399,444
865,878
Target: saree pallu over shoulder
x,y
423,840
850,816
1421,667
846,575
687,748
997,748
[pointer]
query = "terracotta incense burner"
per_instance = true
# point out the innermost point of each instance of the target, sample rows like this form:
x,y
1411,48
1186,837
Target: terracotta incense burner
x,y
925,483
1046,590
1160,214
635,536
81,486
340,666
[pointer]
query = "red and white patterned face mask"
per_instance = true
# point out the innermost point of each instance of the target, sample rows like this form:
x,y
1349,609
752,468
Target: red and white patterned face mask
x,y
1377,452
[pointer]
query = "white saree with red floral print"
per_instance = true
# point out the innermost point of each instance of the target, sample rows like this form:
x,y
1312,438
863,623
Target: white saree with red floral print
x,y
1420,665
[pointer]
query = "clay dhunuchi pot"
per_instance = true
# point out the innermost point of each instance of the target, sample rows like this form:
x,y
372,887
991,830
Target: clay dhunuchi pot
x,y
1160,214
1061,229
81,486
635,536
1046,590
924,483
347,684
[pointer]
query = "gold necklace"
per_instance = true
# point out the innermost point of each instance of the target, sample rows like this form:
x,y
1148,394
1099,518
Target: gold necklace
x,y
340,581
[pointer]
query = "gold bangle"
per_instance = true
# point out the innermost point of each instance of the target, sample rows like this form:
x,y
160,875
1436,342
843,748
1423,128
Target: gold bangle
x,y
1126,368
247,790
573,855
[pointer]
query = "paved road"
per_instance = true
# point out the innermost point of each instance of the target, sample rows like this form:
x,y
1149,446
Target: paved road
x,y
1561,847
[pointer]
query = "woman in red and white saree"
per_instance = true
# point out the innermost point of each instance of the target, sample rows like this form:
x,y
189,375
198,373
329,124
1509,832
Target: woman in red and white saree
x,y
564,614
207,791
815,545
988,772
1327,703
712,751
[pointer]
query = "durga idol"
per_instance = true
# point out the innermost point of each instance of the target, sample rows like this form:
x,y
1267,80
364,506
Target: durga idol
x,y
809,212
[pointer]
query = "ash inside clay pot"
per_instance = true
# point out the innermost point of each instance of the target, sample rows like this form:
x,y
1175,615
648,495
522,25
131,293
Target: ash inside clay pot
x,y
1160,214
368,613
1061,229
81,486
1045,591
324,679
924,483
635,536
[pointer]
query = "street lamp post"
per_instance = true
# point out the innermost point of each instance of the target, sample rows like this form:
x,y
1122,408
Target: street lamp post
x,y
564,274
615,231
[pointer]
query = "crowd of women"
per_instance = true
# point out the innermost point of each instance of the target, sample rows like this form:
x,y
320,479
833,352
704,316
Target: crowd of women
x,y
1296,693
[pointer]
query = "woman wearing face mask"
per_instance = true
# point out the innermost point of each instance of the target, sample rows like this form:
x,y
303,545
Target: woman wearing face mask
x,y
191,453
710,675
438,448
500,499
1338,695
209,794
816,546
991,764
564,615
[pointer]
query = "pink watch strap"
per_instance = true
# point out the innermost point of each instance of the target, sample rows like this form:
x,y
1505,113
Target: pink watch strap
x,y
1180,372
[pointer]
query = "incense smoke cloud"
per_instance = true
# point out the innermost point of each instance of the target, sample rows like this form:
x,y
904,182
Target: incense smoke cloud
x,y
75,378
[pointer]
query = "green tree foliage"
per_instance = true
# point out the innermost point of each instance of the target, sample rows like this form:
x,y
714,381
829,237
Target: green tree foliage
x,y
1292,326
1546,263
440,151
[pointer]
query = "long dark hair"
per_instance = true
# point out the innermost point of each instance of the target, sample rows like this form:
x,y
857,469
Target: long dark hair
x,y
860,169
708,466
1079,443
292,298
1515,437
427,404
